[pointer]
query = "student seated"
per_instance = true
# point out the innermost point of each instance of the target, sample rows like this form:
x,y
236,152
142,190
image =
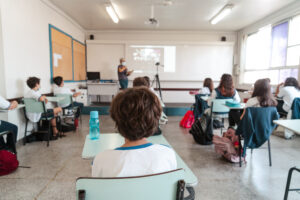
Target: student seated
x,y
226,89
59,88
261,97
6,126
136,112
34,84
208,87
287,94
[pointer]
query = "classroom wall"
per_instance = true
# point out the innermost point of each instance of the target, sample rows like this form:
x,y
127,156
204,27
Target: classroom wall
x,y
280,15
168,36
25,31
2,81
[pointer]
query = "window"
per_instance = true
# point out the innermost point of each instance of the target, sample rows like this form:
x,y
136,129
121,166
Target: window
x,y
273,52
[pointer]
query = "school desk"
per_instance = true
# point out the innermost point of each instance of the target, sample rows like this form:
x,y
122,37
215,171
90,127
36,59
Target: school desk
x,y
291,124
112,140
18,107
55,99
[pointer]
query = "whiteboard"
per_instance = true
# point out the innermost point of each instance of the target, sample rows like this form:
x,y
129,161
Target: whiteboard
x,y
105,58
191,61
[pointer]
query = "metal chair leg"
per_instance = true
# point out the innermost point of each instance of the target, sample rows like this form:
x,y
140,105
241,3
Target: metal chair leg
x,y
240,150
269,149
49,132
251,151
25,134
288,182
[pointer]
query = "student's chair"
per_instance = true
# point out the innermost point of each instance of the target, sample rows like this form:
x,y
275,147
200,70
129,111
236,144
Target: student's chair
x,y
287,187
219,110
256,128
167,186
33,106
200,105
67,99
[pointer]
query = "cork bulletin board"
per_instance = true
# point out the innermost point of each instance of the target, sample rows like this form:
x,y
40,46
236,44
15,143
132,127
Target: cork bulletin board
x,y
67,56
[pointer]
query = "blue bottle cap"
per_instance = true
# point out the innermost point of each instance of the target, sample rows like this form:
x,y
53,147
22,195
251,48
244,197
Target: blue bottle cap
x,y
94,114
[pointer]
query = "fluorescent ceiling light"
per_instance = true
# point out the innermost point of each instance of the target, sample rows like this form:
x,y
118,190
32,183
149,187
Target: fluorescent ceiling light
x,y
112,13
223,13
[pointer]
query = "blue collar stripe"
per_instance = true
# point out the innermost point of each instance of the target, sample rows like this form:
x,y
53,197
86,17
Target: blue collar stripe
x,y
134,147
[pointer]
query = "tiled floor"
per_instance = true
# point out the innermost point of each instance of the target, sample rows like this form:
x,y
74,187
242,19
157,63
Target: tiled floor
x,y
54,169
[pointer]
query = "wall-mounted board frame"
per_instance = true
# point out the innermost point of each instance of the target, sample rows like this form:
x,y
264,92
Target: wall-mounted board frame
x,y
67,56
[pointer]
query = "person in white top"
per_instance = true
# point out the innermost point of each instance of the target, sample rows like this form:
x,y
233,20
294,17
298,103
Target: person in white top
x,y
208,87
59,88
34,84
287,92
136,112
261,97
7,126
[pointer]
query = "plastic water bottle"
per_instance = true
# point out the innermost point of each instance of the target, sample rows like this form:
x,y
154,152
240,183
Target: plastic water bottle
x,y
94,125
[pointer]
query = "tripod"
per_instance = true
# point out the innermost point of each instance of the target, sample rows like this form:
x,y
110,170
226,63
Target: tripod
x,y
157,81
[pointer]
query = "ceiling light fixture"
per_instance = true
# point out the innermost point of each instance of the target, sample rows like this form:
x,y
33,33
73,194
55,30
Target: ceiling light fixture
x,y
221,14
112,13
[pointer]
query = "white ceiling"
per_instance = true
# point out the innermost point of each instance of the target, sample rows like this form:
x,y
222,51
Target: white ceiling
x,y
182,15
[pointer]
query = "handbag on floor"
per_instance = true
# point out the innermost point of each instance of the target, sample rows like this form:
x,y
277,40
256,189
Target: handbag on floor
x,y
202,130
188,119
8,162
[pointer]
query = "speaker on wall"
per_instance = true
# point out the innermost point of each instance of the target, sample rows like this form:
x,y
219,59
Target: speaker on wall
x,y
91,37
223,39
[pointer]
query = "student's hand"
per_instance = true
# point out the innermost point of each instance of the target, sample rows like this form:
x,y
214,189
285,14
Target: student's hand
x,y
43,98
76,94
13,105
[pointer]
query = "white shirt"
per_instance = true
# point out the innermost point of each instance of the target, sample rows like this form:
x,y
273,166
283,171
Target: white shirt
x,y
34,117
288,94
204,90
252,102
213,96
134,161
4,104
62,90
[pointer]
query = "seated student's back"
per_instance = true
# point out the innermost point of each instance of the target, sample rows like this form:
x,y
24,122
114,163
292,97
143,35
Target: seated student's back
x,y
226,89
208,87
136,112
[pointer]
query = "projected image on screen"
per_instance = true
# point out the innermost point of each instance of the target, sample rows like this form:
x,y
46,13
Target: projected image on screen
x,y
142,58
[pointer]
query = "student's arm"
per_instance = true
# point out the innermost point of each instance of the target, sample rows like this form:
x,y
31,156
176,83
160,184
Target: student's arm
x,y
243,114
122,69
4,104
277,93
76,94
43,98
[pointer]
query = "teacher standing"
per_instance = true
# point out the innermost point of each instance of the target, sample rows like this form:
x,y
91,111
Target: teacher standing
x,y
123,74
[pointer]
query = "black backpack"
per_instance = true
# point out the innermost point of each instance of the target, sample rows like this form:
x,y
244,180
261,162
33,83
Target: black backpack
x,y
202,130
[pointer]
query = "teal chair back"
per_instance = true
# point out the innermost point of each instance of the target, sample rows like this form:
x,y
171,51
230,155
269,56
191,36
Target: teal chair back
x,y
150,187
34,106
67,100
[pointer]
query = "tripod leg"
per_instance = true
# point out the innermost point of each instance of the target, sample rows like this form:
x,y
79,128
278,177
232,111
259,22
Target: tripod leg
x,y
159,88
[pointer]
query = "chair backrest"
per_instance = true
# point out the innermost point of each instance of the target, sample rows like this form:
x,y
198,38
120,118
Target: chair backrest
x,y
296,109
149,187
257,125
218,106
67,100
34,106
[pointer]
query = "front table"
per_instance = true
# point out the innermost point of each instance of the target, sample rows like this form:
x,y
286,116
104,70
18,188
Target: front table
x,y
112,140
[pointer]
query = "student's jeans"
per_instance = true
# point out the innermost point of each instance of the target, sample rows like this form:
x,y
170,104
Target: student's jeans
x,y
234,116
280,109
123,83
11,138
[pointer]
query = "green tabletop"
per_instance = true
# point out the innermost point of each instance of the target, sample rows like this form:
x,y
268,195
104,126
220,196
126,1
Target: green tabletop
x,y
112,140
55,99
291,124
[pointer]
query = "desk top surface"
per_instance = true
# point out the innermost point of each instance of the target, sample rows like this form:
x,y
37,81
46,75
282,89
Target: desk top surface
x,y
55,99
18,107
112,140
291,124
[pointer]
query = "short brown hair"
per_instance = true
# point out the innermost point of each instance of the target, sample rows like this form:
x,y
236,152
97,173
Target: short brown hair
x,y
136,112
32,81
140,81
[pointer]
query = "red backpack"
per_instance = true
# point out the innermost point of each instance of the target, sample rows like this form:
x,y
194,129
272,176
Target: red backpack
x,y
8,162
188,119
